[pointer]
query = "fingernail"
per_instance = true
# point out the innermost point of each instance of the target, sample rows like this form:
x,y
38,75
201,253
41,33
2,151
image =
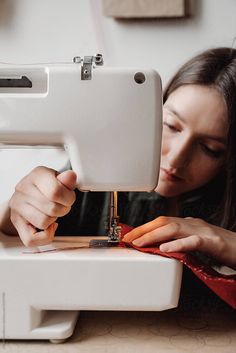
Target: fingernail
x,y
164,248
137,242
125,237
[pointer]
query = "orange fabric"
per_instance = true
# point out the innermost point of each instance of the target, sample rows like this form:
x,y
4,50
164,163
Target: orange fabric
x,y
223,285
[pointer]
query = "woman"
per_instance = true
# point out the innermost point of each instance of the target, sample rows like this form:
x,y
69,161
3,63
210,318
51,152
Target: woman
x,y
198,160
196,178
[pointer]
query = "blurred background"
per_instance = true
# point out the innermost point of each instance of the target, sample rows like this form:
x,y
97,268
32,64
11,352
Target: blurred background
x,y
33,31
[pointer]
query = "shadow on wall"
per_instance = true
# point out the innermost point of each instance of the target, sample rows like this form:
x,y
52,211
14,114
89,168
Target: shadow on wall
x,y
7,8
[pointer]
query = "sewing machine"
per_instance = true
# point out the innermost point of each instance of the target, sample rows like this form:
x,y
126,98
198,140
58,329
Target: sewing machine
x,y
109,120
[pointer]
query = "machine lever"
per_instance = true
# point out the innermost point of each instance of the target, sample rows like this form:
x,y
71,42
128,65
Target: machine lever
x,y
23,81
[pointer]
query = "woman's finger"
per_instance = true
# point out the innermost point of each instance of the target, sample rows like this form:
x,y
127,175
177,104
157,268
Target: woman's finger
x,y
146,228
30,236
36,199
190,243
52,188
172,230
33,216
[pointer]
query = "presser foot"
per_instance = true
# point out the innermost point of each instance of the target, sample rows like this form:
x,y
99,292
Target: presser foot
x,y
102,243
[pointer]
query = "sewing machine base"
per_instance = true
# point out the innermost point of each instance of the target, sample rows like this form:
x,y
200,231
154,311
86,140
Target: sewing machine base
x,y
43,292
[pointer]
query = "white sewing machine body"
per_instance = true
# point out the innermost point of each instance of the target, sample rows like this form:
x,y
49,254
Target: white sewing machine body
x,y
111,127
42,293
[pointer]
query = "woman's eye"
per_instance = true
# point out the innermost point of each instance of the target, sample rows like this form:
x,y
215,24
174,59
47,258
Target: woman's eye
x,y
171,127
212,153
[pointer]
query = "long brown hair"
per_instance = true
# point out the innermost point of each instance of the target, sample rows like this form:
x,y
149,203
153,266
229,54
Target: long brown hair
x,y
217,68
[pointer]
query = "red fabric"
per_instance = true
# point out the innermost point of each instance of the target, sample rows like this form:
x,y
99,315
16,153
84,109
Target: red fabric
x,y
223,285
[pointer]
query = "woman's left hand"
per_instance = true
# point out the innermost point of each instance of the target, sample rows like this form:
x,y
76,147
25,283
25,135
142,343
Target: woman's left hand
x,y
186,234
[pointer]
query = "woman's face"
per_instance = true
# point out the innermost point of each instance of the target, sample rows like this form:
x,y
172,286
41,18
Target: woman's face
x,y
194,139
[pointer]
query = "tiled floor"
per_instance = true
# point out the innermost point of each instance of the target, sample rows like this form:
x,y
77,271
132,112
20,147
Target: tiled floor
x,y
176,330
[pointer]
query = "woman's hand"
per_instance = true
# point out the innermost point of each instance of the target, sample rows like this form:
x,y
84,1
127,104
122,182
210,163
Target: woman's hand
x,y
39,199
186,234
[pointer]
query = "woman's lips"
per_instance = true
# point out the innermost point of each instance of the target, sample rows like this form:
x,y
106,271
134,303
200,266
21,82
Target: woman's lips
x,y
170,176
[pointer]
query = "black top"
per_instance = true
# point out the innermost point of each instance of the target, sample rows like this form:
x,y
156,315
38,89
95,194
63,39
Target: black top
x,y
89,214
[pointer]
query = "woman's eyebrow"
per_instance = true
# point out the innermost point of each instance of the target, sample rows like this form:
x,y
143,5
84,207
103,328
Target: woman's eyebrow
x,y
216,138
172,110
212,137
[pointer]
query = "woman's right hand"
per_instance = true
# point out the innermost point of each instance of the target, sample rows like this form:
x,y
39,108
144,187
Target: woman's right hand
x,y
39,199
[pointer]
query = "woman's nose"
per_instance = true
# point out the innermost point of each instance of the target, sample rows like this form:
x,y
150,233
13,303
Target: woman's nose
x,y
179,155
